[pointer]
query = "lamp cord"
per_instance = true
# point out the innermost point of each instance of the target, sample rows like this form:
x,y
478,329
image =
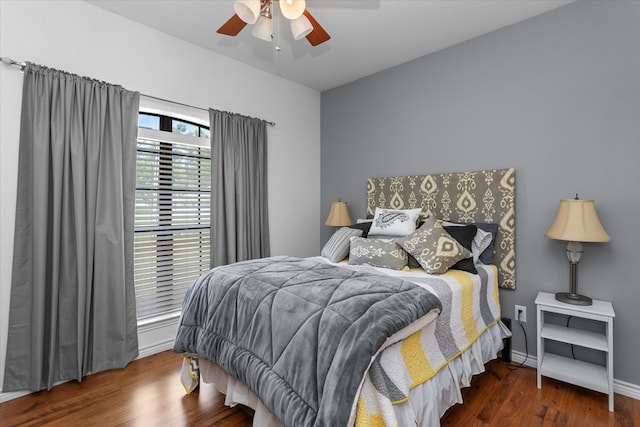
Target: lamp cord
x,y
526,349
572,353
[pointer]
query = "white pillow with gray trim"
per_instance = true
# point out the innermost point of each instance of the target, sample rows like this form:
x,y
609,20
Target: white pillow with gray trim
x,y
394,222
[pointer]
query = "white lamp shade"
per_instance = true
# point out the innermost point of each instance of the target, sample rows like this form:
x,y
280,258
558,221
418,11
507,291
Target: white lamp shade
x,y
577,221
292,9
263,29
247,10
300,27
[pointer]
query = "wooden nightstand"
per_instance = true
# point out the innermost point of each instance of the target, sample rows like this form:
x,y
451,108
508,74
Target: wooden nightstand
x,y
584,374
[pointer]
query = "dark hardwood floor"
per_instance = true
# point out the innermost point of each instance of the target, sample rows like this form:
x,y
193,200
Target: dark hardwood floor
x,y
504,397
148,393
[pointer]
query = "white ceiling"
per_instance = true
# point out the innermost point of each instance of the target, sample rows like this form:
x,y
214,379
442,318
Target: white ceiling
x,y
367,36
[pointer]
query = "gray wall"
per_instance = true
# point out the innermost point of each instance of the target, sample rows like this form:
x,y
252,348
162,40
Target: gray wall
x,y
558,98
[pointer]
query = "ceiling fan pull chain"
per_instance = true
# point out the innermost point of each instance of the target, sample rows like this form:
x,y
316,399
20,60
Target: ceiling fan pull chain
x,y
276,23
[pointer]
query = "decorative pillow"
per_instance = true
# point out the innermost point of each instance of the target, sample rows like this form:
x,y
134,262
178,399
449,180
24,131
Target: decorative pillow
x,y
383,236
434,248
411,261
190,373
337,248
481,242
482,247
377,253
465,235
486,256
364,226
394,222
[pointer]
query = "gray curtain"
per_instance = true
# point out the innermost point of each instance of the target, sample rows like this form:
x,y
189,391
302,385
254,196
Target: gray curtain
x,y
240,222
72,297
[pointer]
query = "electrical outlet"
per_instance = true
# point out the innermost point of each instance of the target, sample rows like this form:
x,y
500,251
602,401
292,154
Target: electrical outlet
x,y
522,316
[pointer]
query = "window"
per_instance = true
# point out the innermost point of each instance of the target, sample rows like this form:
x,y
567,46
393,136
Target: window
x,y
172,220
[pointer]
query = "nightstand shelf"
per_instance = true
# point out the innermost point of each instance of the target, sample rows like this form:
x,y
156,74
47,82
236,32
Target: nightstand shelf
x,y
575,336
581,373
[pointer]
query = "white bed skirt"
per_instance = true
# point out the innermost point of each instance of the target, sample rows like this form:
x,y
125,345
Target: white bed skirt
x,y
427,402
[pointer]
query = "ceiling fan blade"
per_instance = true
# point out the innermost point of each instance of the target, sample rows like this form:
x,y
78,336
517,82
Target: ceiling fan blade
x,y
233,26
318,35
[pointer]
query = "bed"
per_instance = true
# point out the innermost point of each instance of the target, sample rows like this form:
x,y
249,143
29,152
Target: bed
x,y
370,339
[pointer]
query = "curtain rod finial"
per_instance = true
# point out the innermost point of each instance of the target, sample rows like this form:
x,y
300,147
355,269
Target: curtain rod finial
x,y
8,61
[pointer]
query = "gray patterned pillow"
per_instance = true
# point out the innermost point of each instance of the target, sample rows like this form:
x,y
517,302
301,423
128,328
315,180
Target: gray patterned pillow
x,y
434,248
337,248
377,253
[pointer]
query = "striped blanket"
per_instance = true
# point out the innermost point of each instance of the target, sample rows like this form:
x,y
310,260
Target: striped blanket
x,y
470,305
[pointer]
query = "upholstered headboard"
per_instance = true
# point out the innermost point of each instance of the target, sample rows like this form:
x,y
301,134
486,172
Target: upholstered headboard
x,y
480,196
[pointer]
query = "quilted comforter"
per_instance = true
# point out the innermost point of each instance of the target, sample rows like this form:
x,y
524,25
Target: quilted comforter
x,y
299,333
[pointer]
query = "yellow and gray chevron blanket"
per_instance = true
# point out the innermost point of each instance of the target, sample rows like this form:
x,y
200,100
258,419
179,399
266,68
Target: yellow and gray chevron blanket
x,y
470,304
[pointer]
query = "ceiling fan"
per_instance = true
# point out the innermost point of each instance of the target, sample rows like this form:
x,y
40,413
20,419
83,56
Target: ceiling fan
x,y
260,13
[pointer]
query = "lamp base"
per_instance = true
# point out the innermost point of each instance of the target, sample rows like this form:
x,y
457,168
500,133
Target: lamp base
x,y
575,299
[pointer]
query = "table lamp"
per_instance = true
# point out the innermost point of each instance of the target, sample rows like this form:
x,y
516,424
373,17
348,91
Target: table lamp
x,y
576,221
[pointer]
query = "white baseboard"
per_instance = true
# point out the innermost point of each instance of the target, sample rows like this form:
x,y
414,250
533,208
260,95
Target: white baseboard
x,y
620,387
626,389
154,349
5,397
518,357
156,336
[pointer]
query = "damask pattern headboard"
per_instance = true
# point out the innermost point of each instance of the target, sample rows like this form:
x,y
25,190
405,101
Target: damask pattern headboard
x,y
478,196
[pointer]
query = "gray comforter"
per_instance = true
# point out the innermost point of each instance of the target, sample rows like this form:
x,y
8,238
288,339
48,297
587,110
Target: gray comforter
x,y
298,332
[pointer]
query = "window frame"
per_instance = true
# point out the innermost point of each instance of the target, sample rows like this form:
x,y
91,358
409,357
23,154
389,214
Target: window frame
x,y
165,139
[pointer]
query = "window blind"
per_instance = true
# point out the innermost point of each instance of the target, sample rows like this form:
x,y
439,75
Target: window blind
x,y
172,223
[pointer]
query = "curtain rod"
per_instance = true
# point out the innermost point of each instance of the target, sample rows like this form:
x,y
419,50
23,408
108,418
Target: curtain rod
x,y
191,106
11,62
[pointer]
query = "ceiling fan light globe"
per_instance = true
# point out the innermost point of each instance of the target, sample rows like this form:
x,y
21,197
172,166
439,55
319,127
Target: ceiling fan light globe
x,y
263,29
300,27
292,9
247,10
